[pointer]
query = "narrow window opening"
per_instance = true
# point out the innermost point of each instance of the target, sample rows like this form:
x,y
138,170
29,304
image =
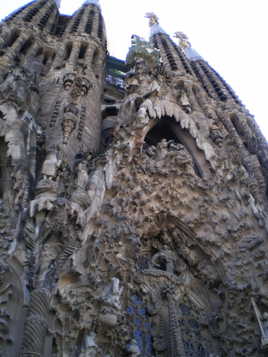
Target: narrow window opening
x,y
46,57
45,18
83,50
214,84
94,60
182,58
27,44
68,50
88,28
100,27
199,76
227,87
169,55
61,25
34,11
77,21
54,347
12,39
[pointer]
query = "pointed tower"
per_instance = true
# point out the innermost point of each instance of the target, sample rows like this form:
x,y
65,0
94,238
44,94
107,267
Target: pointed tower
x,y
20,32
174,59
153,244
76,83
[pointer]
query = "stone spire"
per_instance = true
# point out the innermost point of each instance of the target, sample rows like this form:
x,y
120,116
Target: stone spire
x,y
154,24
173,56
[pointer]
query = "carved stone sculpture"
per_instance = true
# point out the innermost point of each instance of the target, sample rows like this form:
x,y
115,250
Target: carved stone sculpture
x,y
133,196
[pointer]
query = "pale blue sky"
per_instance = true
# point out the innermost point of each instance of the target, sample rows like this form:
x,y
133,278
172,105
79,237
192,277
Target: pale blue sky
x,y
229,34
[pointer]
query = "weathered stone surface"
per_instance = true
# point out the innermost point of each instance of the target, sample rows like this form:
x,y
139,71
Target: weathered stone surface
x,y
133,214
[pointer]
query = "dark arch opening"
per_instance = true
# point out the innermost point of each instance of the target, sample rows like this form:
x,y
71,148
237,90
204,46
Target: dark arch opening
x,y
167,128
160,131
110,110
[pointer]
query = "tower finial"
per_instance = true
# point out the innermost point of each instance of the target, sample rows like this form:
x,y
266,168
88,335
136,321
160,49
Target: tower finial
x,y
185,44
183,39
154,23
153,19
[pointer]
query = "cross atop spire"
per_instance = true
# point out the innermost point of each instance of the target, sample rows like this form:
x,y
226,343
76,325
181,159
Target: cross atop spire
x,y
154,23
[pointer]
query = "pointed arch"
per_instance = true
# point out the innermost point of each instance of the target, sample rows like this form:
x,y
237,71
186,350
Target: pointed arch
x,y
168,128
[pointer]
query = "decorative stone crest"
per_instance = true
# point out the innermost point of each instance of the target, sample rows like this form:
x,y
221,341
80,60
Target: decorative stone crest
x,y
76,85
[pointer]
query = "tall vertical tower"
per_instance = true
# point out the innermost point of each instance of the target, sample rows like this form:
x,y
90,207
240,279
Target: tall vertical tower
x,y
75,80
133,196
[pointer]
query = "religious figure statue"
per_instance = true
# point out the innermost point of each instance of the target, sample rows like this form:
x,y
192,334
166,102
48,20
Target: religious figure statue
x,y
112,294
50,166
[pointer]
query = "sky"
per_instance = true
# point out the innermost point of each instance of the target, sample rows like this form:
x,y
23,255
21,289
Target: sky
x,y
231,35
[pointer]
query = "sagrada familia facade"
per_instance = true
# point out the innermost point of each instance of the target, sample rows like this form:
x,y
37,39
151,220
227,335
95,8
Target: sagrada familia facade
x,y
133,196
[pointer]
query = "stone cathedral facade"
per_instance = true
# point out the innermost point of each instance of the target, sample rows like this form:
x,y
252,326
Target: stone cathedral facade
x,y
133,196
